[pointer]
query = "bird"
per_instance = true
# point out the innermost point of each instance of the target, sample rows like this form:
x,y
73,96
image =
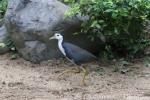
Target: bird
x,y
74,54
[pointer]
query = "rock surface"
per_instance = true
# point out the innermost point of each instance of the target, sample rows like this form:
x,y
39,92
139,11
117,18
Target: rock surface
x,y
31,22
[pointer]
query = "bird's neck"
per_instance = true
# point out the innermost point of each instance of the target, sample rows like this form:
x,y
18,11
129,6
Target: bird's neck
x,y
60,43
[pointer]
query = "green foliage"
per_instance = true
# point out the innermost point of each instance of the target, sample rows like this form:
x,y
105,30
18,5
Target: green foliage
x,y
3,7
120,22
13,56
9,43
121,66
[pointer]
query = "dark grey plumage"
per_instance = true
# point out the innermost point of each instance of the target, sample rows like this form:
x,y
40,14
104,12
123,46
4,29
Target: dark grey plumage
x,y
77,54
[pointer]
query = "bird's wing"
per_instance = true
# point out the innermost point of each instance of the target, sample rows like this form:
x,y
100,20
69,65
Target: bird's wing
x,y
77,54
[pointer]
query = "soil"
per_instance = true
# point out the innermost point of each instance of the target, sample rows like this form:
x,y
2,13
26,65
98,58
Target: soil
x,y
23,80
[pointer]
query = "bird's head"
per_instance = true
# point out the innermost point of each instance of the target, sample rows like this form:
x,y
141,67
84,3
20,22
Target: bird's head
x,y
57,36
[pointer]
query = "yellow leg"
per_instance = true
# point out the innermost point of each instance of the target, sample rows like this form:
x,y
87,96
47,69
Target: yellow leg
x,y
84,71
68,71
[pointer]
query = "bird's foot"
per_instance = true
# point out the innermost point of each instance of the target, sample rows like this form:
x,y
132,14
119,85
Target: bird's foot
x,y
82,70
85,73
83,83
68,71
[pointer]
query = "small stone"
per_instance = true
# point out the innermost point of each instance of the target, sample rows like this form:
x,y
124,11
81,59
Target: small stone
x,y
4,83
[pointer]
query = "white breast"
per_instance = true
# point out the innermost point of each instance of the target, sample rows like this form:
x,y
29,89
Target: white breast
x,y
61,48
63,51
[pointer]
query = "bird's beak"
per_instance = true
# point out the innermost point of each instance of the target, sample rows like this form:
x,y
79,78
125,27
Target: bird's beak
x,y
53,37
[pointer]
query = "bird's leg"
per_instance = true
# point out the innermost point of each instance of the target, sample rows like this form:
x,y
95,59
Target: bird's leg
x,y
69,71
84,71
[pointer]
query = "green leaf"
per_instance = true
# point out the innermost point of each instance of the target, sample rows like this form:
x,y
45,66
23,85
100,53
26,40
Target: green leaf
x,y
98,26
108,10
14,56
2,45
116,30
101,21
114,15
94,23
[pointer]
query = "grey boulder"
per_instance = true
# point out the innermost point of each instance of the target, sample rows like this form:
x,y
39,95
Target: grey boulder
x,y
30,23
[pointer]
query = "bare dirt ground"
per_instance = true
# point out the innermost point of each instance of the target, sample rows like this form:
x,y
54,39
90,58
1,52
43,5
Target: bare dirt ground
x,y
22,80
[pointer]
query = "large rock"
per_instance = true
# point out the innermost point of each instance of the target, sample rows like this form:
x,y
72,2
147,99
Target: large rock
x,y
31,22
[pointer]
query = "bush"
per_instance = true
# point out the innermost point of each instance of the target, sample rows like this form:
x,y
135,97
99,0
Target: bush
x,y
3,7
120,22
7,41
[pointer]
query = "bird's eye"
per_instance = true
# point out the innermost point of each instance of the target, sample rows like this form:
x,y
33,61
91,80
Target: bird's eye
x,y
57,35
